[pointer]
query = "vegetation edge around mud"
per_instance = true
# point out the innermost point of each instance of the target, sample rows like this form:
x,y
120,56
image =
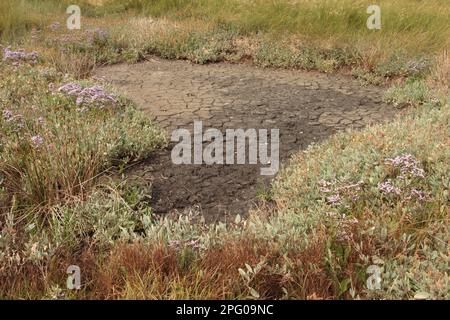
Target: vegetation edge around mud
x,y
375,197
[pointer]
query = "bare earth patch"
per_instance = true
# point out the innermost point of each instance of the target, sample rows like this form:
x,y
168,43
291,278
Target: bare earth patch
x,y
305,107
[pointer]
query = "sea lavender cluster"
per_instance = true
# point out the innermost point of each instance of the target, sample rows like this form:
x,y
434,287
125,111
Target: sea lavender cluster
x,y
408,165
334,199
97,35
20,55
88,95
340,191
37,141
419,195
16,119
8,115
387,187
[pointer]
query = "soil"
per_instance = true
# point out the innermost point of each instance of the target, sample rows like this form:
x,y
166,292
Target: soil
x,y
306,107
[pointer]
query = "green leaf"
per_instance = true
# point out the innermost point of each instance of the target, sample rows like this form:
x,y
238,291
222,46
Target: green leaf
x,y
254,293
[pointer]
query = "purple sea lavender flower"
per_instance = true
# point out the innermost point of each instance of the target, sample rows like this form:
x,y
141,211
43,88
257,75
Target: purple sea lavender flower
x,y
420,195
8,115
37,141
417,172
97,94
20,55
94,94
72,89
79,101
334,199
408,165
388,188
97,34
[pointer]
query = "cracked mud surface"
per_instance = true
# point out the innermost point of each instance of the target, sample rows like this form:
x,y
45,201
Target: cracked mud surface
x,y
305,107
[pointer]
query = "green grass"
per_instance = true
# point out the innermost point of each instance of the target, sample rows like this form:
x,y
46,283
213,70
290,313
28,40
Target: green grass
x,y
324,35
329,22
412,92
14,18
19,16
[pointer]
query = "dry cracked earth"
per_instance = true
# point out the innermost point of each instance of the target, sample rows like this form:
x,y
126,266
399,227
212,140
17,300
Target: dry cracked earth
x,y
305,107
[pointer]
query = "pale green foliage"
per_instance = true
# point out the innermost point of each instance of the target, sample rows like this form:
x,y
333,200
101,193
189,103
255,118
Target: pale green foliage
x,y
407,233
412,92
50,194
76,144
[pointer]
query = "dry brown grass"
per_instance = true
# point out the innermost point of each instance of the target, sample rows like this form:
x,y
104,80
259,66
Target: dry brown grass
x,y
155,271
80,65
439,78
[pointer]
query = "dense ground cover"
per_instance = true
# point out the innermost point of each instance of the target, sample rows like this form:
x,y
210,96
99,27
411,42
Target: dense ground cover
x,y
375,197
